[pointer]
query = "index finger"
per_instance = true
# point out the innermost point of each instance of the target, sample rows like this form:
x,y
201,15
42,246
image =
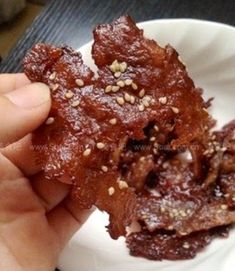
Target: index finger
x,y
10,82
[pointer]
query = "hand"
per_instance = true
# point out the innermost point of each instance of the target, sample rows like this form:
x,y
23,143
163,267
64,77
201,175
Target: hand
x,y
36,218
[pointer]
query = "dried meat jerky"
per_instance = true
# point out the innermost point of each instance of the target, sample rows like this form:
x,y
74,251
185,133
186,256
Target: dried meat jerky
x,y
92,119
117,138
166,245
155,70
77,143
226,178
179,203
184,214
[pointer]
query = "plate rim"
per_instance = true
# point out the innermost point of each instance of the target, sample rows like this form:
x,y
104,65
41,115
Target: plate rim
x,y
173,20
187,20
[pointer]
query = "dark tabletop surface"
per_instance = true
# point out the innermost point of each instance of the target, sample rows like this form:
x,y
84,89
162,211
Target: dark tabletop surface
x,y
71,21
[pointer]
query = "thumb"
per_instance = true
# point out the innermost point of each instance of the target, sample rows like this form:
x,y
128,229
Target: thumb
x,y
22,111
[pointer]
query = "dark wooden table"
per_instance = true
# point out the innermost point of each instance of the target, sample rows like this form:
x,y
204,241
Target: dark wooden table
x,y
71,22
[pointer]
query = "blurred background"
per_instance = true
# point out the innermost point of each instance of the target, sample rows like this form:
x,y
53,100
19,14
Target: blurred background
x,y
26,22
15,17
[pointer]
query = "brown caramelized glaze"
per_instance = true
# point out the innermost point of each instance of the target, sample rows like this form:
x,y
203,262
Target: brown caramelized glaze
x,y
117,138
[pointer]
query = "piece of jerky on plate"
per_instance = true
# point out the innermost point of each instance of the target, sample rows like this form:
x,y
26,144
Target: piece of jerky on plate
x,y
178,202
169,246
92,120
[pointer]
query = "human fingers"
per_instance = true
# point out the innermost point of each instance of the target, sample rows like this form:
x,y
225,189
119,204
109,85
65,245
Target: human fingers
x,y
7,170
50,192
22,155
22,111
66,219
10,82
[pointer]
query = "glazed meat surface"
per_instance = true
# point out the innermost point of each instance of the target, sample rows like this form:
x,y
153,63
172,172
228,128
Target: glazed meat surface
x,y
178,209
117,139
165,245
79,144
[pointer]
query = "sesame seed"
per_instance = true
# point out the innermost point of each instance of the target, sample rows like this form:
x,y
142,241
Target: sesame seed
x,y
145,216
112,68
120,100
171,128
145,103
223,149
182,213
155,127
115,62
123,66
170,228
49,121
233,198
79,82
115,66
213,137
121,83
162,209
100,145
141,107
122,184
175,109
104,168
224,206
54,87
52,76
134,86
165,165
148,98
113,121
115,88
75,103
183,233
132,100
127,97
153,138
87,152
69,94
128,82
142,158
117,74
142,93
175,211
163,100
108,89
186,245
111,191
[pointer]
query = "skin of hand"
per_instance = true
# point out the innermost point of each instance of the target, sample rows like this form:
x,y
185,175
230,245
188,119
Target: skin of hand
x,y
37,218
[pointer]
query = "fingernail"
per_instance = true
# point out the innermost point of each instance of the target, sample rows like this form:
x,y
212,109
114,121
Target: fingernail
x,y
30,96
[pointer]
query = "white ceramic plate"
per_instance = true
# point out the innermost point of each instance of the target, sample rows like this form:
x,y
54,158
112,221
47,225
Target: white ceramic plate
x,y
208,49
